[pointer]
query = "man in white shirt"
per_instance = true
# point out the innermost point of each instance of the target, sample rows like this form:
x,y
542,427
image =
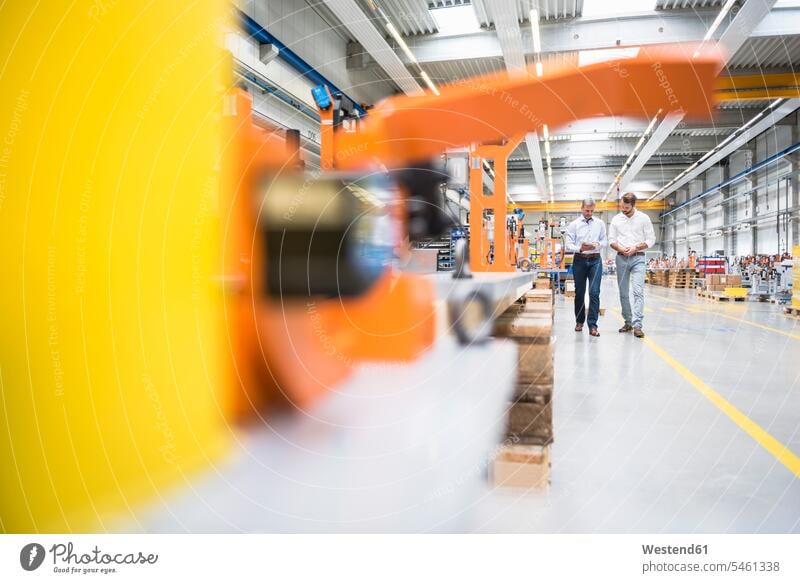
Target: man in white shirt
x,y
585,237
630,234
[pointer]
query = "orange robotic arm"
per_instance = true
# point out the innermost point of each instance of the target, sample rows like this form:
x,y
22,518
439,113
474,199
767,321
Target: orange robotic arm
x,y
495,107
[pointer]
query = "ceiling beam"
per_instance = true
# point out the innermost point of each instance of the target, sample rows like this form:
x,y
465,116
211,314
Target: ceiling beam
x,y
655,27
575,206
784,109
750,15
373,41
509,36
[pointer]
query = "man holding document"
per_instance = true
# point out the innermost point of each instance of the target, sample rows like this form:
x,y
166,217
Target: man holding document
x,y
585,237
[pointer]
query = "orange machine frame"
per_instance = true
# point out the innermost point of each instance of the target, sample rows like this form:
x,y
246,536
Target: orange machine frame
x,y
496,202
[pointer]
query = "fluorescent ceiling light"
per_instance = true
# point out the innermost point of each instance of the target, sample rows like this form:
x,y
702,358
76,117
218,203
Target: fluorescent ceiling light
x,y
399,40
539,69
429,83
602,55
455,20
537,40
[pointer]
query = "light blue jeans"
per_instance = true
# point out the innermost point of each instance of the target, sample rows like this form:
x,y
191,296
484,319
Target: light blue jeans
x,y
630,274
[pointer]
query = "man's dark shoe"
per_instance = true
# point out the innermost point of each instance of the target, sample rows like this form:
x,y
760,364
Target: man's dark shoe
x,y
626,328
594,332
578,327
638,333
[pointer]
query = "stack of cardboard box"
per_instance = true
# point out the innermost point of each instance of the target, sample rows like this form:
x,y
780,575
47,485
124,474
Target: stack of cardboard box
x,y
524,458
718,282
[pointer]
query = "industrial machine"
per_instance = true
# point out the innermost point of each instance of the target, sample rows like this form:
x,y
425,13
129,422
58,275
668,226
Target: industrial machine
x,y
213,280
550,247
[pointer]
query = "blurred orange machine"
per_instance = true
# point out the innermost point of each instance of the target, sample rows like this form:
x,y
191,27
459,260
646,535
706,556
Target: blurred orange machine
x,y
155,294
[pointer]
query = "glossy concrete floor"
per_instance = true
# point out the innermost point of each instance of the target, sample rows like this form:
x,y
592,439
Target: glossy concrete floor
x,y
640,447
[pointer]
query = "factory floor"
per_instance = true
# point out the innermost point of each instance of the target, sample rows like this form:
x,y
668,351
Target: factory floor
x,y
694,429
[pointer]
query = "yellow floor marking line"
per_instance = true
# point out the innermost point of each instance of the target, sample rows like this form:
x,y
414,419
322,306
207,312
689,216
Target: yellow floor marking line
x,y
779,451
742,320
782,453
762,326
669,310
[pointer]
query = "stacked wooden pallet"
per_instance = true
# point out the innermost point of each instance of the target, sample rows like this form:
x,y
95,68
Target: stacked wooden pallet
x,y
675,278
723,296
569,288
524,458
680,278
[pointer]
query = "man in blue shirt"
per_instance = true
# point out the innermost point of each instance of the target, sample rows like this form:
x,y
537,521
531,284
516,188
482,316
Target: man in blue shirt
x,y
585,237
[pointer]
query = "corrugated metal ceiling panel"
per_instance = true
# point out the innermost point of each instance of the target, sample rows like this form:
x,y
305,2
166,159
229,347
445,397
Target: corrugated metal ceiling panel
x,y
548,10
449,71
411,17
687,4
767,52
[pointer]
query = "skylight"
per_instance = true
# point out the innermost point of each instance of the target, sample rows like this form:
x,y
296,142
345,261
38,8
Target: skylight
x,y
606,9
455,20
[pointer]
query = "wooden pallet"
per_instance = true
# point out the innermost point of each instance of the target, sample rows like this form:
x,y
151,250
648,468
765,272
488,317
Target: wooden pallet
x,y
718,297
792,312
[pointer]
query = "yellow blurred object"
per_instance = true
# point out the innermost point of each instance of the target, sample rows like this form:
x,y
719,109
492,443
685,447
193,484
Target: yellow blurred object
x,y
735,292
111,369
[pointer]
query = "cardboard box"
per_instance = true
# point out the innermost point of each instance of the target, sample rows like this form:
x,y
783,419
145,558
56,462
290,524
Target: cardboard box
x,y
533,393
525,327
535,363
542,283
531,423
539,295
521,466
730,280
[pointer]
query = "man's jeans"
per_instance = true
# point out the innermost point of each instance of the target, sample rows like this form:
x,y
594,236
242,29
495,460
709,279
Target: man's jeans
x,y
591,270
630,274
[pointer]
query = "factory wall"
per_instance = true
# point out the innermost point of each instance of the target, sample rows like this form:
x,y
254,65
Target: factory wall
x,y
742,218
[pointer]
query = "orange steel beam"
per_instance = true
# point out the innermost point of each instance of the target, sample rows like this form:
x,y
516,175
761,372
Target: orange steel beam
x,y
496,202
575,206
492,108
752,87
326,137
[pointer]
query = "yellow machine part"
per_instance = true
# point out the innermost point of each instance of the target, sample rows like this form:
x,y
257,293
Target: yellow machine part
x,y
735,292
112,378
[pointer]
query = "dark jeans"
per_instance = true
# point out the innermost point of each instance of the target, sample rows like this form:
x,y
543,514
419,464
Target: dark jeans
x,y
591,270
